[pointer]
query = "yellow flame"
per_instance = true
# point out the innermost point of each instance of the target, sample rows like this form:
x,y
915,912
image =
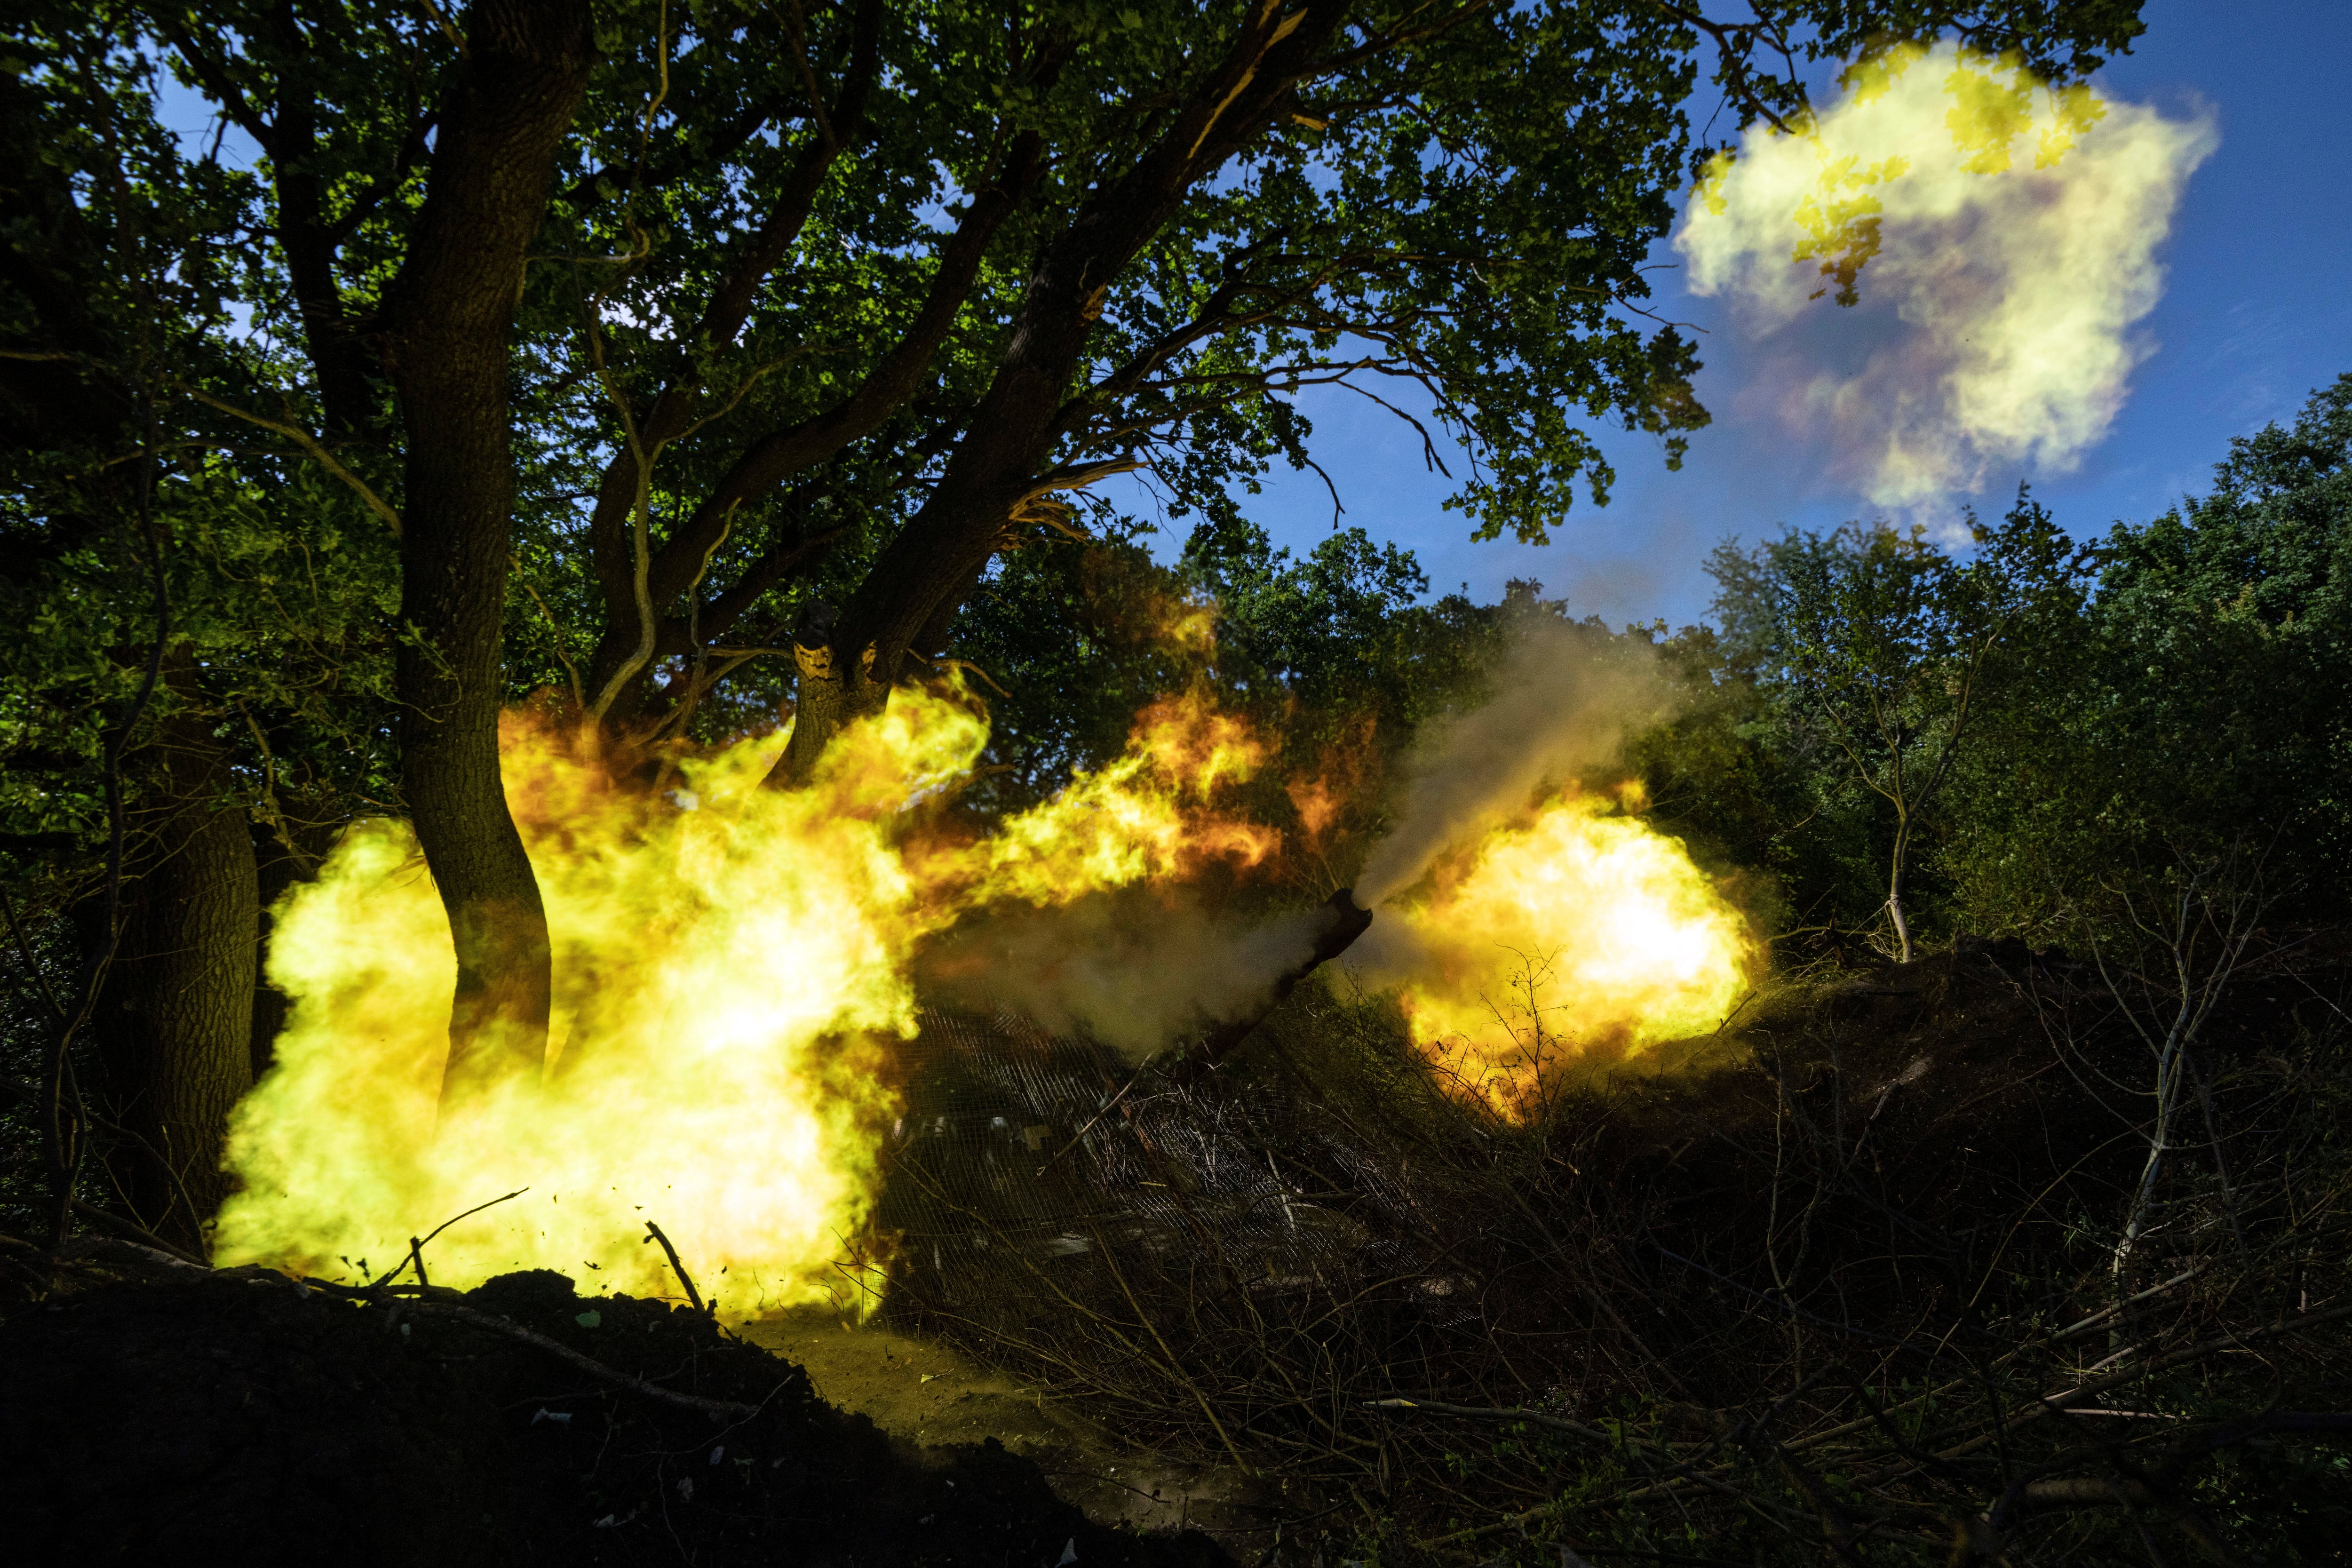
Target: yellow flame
x,y
1580,928
1190,624
731,969
1142,816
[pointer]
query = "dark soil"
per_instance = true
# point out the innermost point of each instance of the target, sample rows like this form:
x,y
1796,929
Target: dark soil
x,y
205,1417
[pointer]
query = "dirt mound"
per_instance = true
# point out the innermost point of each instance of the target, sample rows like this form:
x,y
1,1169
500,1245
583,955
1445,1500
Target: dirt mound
x,y
238,1413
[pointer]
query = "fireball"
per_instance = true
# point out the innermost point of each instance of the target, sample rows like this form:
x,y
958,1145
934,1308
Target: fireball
x,y
1579,927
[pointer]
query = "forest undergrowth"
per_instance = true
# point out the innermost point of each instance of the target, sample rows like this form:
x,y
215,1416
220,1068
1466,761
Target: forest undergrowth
x,y
1997,1256
156,1408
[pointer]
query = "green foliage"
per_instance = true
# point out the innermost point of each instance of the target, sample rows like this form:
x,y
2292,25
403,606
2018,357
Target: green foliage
x,y
132,508
1473,201
1871,649
1742,804
2058,727
1078,639
2191,704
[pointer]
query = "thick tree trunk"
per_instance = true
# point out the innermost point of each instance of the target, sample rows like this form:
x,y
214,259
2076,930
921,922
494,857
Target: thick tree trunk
x,y
278,872
827,697
448,346
173,1024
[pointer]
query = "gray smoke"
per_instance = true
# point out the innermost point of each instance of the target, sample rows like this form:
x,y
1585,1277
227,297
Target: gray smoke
x,y
1134,970
1563,703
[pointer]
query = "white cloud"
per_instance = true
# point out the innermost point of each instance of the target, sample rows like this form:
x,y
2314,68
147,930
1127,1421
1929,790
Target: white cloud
x,y
2001,238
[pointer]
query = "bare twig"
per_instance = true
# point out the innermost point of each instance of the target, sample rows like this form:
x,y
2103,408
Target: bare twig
x,y
417,1247
678,1268
135,1232
578,695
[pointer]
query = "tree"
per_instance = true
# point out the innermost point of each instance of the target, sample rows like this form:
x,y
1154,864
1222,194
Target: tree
x,y
1875,646
446,337
1718,776
1331,658
189,673
724,302
341,108
2224,627
2189,710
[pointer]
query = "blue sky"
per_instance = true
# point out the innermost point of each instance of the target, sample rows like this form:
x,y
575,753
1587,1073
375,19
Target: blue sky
x,y
2256,312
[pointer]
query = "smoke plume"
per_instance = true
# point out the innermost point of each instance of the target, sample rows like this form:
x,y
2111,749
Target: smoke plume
x,y
2008,229
1135,969
1559,708
1139,967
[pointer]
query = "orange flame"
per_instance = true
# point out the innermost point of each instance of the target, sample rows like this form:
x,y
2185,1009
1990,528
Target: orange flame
x,y
1343,768
1144,816
1315,804
1188,624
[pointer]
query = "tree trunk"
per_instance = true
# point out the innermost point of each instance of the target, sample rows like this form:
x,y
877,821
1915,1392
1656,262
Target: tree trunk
x,y
449,345
175,1021
1895,888
830,693
270,1006
2159,1136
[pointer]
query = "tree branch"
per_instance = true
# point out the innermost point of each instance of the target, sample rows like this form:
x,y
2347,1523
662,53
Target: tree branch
x,y
309,445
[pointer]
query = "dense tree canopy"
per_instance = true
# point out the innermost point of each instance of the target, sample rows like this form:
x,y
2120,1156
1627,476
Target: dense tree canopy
x,y
1877,647
2148,704
2193,706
